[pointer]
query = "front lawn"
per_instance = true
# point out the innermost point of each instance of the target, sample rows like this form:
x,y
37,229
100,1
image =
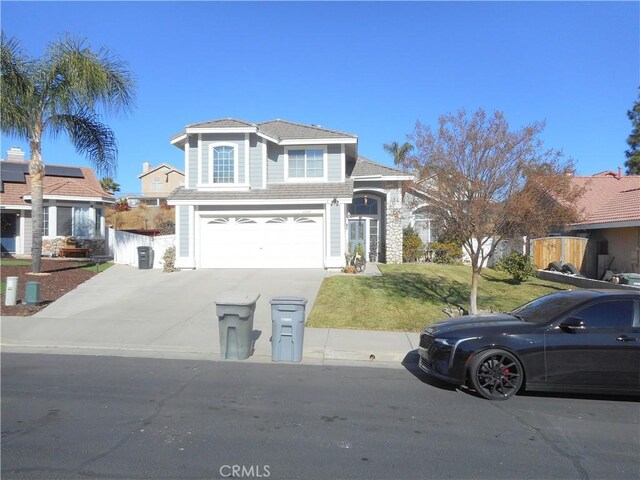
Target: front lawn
x,y
408,297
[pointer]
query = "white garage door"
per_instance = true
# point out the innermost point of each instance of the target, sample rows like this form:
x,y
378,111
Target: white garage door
x,y
261,242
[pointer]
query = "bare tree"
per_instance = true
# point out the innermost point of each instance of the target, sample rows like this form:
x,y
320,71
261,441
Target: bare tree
x,y
486,182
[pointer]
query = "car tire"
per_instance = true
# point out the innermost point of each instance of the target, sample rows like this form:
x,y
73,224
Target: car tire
x,y
496,374
554,267
570,269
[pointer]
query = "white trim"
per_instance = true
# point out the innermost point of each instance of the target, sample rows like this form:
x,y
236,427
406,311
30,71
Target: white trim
x,y
72,198
187,148
221,130
369,189
210,148
597,226
297,201
190,250
317,141
343,163
383,177
305,179
267,137
15,207
178,139
199,179
265,164
247,176
327,233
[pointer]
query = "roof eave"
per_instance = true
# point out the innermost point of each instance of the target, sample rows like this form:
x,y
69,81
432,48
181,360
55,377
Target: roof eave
x,y
612,224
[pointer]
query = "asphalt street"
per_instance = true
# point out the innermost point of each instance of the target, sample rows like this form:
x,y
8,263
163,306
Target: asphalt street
x,y
72,417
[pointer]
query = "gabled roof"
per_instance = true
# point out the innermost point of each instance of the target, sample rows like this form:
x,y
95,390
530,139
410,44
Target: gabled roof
x,y
221,123
59,181
278,131
166,165
283,130
609,198
365,168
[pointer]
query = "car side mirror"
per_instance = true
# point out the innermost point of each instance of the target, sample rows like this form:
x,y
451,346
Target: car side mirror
x,y
572,324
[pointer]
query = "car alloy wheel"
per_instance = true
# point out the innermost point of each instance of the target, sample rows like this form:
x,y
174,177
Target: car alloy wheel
x,y
496,374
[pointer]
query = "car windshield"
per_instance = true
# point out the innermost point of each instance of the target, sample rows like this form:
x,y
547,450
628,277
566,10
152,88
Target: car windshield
x,y
544,309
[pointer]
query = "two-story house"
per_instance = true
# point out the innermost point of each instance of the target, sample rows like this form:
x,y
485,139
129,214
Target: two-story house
x,y
158,182
279,194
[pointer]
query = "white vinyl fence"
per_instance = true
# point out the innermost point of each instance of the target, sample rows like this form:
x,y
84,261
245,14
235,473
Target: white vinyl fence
x,y
123,247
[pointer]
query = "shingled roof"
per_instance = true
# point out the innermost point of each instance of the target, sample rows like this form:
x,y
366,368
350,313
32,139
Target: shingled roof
x,y
608,198
277,130
368,168
278,191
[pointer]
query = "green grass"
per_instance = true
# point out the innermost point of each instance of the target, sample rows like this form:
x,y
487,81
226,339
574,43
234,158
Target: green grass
x,y
92,267
14,263
408,297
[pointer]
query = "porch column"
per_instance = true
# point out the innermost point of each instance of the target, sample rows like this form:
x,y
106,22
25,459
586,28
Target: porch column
x,y
393,230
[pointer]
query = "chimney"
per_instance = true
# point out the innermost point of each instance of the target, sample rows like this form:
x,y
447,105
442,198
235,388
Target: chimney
x,y
619,173
15,154
145,167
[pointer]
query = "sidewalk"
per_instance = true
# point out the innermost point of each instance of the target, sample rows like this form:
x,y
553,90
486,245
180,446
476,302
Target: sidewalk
x,y
146,313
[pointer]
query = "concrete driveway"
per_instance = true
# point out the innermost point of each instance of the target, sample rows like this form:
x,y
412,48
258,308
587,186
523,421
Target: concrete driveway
x,y
125,308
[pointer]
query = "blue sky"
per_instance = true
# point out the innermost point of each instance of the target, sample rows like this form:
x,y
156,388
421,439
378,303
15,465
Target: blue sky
x,y
368,68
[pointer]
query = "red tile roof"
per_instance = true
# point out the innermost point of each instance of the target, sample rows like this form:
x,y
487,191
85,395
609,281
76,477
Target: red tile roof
x,y
89,186
608,198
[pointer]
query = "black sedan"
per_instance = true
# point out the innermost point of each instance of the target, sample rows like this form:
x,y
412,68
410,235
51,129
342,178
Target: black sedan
x,y
581,341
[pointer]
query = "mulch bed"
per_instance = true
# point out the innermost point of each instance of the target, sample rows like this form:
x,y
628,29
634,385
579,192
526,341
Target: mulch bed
x,y
58,277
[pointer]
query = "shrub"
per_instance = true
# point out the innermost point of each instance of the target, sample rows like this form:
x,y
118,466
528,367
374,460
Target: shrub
x,y
449,252
517,265
121,205
412,246
169,260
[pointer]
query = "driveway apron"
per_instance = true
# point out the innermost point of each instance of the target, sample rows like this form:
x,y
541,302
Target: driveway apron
x,y
125,307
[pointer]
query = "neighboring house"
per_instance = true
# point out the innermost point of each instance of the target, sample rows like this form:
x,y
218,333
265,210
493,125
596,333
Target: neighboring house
x,y
610,210
282,194
158,182
74,205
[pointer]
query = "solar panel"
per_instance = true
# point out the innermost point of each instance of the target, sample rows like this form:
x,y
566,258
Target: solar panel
x,y
55,171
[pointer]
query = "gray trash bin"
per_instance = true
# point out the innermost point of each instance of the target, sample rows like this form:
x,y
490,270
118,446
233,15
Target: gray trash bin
x,y
287,328
145,258
235,320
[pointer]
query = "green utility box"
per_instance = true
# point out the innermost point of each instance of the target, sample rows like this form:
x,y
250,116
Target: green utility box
x,y
632,279
32,293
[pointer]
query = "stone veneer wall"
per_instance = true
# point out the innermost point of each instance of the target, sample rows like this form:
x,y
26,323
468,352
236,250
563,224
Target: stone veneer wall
x,y
51,246
393,231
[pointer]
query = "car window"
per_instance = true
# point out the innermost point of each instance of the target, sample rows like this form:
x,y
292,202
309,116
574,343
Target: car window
x,y
607,314
544,309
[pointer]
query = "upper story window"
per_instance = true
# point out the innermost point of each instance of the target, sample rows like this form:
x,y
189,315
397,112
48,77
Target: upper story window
x,y
306,163
223,163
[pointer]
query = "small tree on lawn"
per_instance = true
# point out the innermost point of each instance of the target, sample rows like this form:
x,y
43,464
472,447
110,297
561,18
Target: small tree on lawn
x,y
489,182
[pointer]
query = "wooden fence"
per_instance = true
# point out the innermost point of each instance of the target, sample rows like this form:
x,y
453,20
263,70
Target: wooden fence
x,y
560,249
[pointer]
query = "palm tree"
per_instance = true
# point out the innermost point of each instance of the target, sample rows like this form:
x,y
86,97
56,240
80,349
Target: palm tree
x,y
64,91
109,185
399,152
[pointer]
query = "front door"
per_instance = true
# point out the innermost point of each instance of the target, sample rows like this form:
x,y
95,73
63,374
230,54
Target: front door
x,y
8,232
357,235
